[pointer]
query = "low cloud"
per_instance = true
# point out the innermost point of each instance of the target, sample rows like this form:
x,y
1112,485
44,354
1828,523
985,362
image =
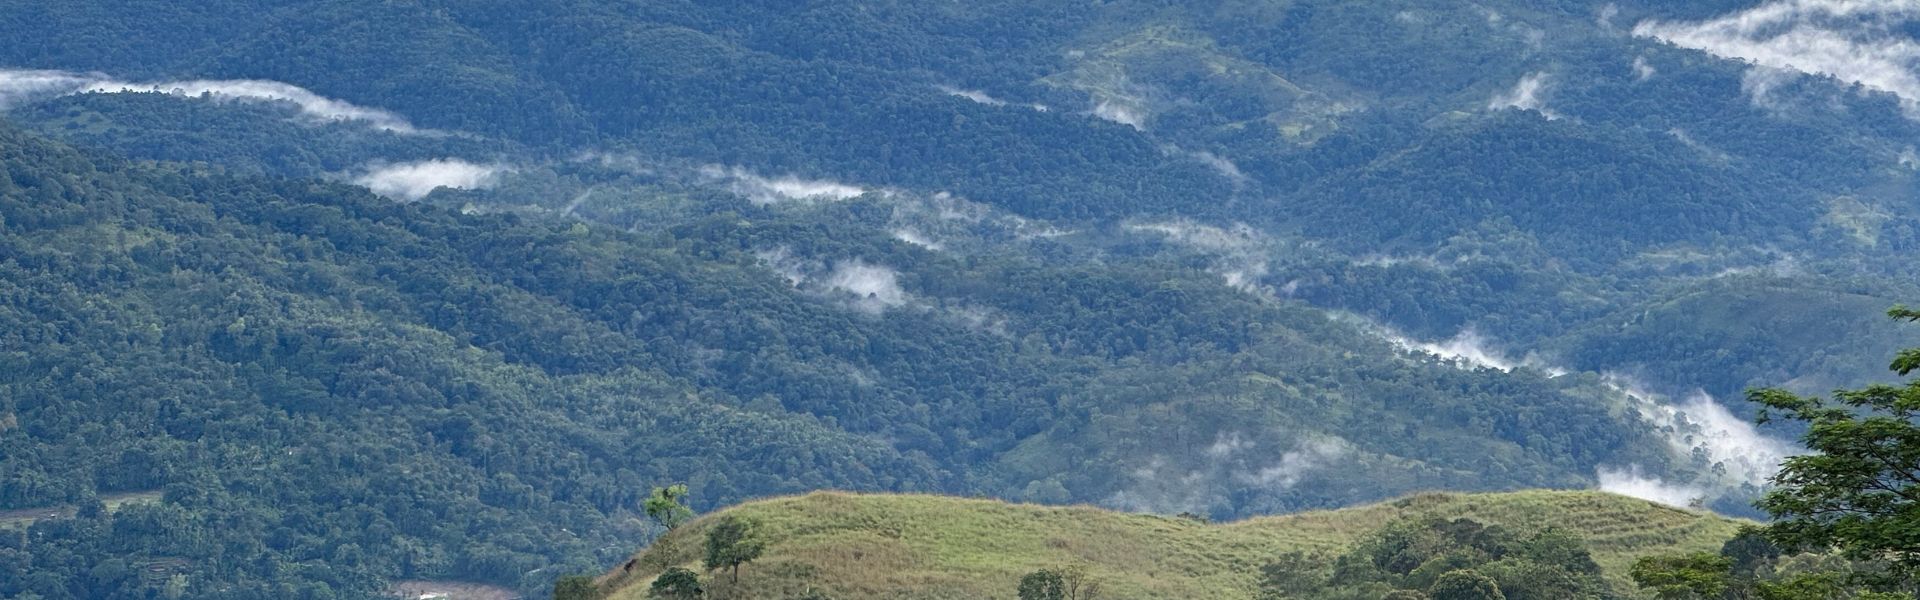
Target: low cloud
x,y
1125,111
974,95
20,86
1525,95
865,286
1240,252
1467,349
1760,84
874,288
415,180
1723,453
1642,70
1699,426
981,97
1219,164
1233,465
1719,453
916,238
1856,41
1632,483
773,190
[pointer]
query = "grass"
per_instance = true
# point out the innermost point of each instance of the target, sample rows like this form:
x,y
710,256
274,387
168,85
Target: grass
x,y
855,546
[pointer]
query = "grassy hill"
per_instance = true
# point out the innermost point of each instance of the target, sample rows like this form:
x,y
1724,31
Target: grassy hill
x,y
856,546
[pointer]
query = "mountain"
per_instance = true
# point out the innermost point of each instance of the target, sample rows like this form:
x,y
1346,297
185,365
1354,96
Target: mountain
x,y
349,292
854,546
495,393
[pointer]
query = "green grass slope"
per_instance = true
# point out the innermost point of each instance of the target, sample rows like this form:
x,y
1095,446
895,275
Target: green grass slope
x,y
856,546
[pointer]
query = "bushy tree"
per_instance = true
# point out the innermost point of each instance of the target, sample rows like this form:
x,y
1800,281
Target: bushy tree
x,y
667,506
676,584
1043,585
731,543
1465,584
1700,575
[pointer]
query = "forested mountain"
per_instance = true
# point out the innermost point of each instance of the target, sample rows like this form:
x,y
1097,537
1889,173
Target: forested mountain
x,y
304,297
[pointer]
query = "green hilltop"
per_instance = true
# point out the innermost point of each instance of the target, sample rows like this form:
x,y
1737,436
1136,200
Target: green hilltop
x,y
858,546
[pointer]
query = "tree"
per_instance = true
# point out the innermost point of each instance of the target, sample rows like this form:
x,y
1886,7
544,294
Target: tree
x,y
1465,584
1404,595
731,543
1749,549
1686,577
1291,575
667,506
1043,585
575,587
1859,489
676,584
1078,584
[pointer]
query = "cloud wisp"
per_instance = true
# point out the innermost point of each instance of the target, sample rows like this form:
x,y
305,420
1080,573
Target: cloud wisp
x,y
1232,464
1724,453
1855,41
1525,95
774,190
22,86
415,180
1240,253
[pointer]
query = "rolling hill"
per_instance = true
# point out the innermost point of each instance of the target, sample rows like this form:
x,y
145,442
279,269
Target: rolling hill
x,y
855,546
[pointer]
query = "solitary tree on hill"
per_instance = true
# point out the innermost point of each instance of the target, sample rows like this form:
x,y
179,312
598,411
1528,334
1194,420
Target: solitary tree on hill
x,y
731,543
667,506
1043,585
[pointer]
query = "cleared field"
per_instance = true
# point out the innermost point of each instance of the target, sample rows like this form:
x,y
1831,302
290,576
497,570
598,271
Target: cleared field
x,y
25,517
855,546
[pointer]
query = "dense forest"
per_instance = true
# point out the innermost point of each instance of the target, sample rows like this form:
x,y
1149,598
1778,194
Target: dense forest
x,y
301,298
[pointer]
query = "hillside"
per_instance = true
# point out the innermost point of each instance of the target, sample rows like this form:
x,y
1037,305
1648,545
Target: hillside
x,y
371,291
856,546
494,393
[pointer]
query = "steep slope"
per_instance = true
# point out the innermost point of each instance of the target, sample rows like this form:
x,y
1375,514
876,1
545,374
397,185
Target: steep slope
x,y
927,547
496,392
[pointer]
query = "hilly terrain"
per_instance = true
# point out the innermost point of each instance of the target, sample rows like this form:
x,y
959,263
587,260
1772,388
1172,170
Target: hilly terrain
x,y
355,292
854,546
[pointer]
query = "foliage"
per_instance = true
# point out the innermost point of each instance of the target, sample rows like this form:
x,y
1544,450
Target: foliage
x,y
575,587
1700,575
1465,584
1458,558
666,506
1751,566
1859,488
676,584
1043,585
732,542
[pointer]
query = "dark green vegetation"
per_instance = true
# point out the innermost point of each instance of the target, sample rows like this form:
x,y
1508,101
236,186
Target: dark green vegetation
x,y
1752,566
1858,489
329,389
493,395
1845,512
1553,545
